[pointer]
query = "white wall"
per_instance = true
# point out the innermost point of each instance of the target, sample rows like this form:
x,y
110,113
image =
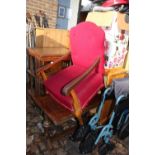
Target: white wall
x,y
73,13
86,5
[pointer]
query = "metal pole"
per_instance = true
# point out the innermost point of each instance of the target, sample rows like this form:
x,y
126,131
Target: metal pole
x,y
79,10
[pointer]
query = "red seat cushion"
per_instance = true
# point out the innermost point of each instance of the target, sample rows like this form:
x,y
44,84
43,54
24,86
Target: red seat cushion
x,y
85,90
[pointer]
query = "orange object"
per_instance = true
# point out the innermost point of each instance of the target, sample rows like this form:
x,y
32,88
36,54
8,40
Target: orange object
x,y
114,73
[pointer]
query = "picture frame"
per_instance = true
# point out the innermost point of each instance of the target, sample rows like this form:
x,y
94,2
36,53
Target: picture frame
x,y
61,11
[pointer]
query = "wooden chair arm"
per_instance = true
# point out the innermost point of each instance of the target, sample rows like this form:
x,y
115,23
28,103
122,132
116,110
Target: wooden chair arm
x,y
49,65
70,86
120,72
115,75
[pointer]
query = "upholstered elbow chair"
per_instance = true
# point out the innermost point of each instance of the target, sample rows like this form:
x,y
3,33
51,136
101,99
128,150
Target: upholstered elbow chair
x,y
74,86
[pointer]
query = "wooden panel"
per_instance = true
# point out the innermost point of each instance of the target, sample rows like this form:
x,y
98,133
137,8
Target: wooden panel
x,y
46,37
39,37
101,18
122,24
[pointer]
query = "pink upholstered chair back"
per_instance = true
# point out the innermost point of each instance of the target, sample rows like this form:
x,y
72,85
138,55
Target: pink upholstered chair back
x,y
87,44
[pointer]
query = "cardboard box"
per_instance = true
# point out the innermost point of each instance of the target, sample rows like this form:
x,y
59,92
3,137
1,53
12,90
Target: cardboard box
x,y
104,19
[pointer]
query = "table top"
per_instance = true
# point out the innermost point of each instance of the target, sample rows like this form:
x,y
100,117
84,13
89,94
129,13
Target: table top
x,y
46,54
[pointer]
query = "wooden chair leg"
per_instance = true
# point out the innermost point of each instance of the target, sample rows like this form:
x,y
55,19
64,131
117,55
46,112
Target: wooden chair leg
x,y
77,107
79,117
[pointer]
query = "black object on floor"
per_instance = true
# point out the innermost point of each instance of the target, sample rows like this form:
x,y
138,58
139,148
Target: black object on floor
x,y
87,145
80,133
124,131
105,148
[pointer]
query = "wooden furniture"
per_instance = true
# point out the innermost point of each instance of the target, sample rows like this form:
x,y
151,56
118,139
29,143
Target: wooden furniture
x,y
75,86
50,45
47,37
37,57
